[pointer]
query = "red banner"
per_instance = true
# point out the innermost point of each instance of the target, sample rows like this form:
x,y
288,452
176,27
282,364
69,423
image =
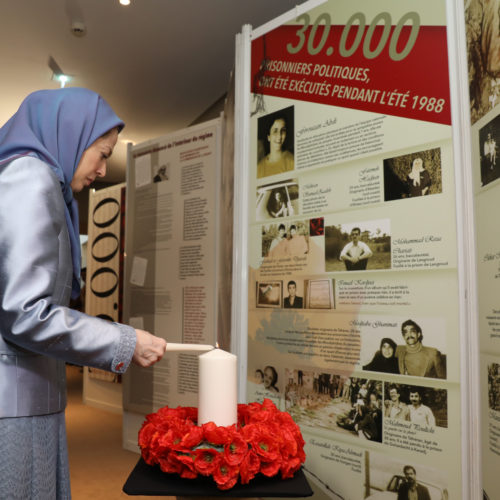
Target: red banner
x,y
387,70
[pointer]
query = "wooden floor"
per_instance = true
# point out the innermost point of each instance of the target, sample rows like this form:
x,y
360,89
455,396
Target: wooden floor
x,y
99,466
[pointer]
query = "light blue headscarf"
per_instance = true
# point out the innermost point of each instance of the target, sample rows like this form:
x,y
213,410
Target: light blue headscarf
x,y
57,126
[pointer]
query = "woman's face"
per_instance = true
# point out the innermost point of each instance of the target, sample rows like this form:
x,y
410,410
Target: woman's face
x,y
387,350
93,161
268,378
418,163
277,134
277,196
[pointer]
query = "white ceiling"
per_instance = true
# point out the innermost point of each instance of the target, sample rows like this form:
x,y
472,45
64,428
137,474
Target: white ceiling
x,y
159,63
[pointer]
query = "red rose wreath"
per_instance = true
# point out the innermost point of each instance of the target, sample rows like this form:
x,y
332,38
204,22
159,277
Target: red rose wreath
x,y
265,440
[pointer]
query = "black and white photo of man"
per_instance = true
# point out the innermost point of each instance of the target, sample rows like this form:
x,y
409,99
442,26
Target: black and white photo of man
x,y
419,413
416,359
356,253
293,301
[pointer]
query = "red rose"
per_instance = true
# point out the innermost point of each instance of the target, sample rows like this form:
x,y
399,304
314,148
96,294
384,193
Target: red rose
x,y
216,435
249,432
235,451
225,475
206,460
270,469
243,414
193,437
264,444
288,444
172,440
146,433
270,406
266,440
249,467
170,464
188,471
290,467
153,450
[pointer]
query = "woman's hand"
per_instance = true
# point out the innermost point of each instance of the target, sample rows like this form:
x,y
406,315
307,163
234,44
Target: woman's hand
x,y
149,349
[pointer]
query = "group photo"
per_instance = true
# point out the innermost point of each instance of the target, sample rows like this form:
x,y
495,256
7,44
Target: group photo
x,y
285,239
349,405
425,406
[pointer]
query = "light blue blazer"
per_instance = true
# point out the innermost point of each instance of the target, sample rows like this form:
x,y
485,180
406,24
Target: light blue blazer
x,y
38,332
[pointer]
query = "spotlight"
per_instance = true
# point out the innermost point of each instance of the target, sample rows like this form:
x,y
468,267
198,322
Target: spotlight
x,y
125,2
63,80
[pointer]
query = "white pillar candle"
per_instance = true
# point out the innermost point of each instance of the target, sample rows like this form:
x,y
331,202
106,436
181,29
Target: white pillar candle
x,y
172,347
217,388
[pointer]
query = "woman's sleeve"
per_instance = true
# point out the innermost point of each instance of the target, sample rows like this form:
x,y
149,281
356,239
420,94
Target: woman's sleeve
x,y
32,282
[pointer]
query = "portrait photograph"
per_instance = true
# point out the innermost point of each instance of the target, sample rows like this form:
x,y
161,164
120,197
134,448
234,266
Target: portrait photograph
x,y
269,293
275,143
161,173
358,246
494,386
293,294
489,137
348,405
388,477
413,175
285,239
426,407
280,199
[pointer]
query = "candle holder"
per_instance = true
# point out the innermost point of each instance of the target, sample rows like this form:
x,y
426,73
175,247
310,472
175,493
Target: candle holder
x,y
151,480
265,441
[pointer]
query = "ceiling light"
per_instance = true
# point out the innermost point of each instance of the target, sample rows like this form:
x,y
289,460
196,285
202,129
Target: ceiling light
x,y
126,141
125,2
63,80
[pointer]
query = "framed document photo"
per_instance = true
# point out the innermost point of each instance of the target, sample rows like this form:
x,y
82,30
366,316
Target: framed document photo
x,y
319,294
269,293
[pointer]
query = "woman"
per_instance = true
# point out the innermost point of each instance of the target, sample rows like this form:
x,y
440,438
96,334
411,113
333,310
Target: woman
x,y
278,244
277,160
270,379
419,180
55,144
384,359
297,244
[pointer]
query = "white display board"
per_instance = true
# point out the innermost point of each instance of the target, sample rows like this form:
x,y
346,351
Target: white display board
x,y
357,238
171,258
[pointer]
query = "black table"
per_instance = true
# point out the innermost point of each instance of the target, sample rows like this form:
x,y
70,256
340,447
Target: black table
x,y
150,480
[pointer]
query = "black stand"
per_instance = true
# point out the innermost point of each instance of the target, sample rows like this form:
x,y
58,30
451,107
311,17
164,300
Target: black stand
x,y
150,480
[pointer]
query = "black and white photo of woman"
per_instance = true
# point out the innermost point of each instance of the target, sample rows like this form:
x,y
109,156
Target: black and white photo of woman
x,y
275,139
419,180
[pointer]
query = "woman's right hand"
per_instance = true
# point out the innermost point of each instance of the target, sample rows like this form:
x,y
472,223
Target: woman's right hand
x,y
149,349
